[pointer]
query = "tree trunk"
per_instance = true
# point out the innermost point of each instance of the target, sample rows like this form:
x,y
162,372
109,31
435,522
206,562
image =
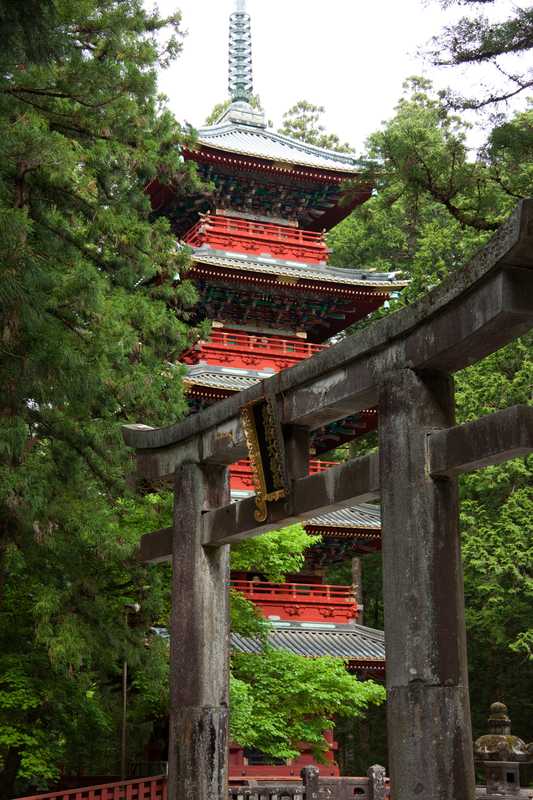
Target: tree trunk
x,y
8,776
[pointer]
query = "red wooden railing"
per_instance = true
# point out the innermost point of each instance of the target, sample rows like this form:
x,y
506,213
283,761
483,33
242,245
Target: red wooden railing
x,y
301,602
244,351
258,238
302,592
138,789
156,789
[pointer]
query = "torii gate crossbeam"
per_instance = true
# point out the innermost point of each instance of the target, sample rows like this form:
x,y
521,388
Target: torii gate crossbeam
x,y
403,364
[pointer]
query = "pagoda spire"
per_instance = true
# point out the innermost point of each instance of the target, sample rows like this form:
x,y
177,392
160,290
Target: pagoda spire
x,y
240,54
241,84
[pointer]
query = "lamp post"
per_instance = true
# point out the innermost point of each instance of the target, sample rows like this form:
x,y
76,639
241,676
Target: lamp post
x,y
129,608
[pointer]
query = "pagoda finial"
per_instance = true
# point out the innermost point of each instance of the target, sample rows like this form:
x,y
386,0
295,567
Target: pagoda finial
x,y
240,54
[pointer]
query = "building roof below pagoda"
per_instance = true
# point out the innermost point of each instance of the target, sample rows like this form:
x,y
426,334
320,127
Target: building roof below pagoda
x,y
350,641
365,516
262,143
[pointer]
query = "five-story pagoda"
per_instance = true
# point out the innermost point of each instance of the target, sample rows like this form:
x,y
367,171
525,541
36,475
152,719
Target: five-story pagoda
x,y
259,263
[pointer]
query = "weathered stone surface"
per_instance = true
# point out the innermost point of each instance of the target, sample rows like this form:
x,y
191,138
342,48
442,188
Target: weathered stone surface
x,y
489,440
430,742
341,486
355,481
199,642
428,754
376,783
310,776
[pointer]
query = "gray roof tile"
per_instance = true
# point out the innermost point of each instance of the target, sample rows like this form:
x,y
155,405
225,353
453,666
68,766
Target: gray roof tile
x,y
364,516
265,144
351,641
352,277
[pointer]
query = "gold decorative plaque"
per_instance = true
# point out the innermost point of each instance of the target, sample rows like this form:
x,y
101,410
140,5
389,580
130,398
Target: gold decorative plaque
x,y
266,451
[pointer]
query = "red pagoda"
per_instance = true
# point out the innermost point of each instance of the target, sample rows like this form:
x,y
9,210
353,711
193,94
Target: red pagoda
x,y
259,263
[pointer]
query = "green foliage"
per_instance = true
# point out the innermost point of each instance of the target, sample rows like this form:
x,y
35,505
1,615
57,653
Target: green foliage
x,y
28,32
273,554
282,699
303,121
246,618
279,699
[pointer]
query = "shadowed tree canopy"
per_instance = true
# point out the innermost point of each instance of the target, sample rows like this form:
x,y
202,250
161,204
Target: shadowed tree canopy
x,y
91,321
29,31
475,39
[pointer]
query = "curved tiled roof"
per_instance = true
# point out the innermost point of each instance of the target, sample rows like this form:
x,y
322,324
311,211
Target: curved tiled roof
x,y
217,378
365,516
353,277
258,142
350,641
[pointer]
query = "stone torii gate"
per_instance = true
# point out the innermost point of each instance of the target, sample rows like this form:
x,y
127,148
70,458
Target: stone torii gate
x,y
403,364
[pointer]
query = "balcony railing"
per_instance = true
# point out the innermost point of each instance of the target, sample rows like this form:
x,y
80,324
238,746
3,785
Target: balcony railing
x,y
247,351
137,789
306,592
301,602
257,238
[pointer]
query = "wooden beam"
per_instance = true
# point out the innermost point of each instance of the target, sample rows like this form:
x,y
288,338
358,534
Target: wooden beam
x,y
473,313
482,443
356,481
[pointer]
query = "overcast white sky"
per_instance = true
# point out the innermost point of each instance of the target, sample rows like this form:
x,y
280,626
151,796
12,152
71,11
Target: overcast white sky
x,y
350,56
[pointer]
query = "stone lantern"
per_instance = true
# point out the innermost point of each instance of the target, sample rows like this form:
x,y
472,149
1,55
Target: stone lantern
x,y
501,754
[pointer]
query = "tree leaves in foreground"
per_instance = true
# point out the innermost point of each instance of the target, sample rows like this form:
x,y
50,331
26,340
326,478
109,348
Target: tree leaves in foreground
x,y
279,699
284,699
91,322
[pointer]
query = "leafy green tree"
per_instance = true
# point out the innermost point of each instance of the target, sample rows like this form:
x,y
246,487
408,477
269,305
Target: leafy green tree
x,y
29,32
279,699
303,121
290,699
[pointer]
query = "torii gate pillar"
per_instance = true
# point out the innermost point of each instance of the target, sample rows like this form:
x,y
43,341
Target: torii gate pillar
x,y
199,641
428,712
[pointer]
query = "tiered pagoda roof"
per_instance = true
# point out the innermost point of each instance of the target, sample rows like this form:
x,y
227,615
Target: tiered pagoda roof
x,y
257,141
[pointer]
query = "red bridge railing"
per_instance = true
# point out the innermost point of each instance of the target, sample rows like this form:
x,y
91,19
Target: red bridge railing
x,y
137,789
156,789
